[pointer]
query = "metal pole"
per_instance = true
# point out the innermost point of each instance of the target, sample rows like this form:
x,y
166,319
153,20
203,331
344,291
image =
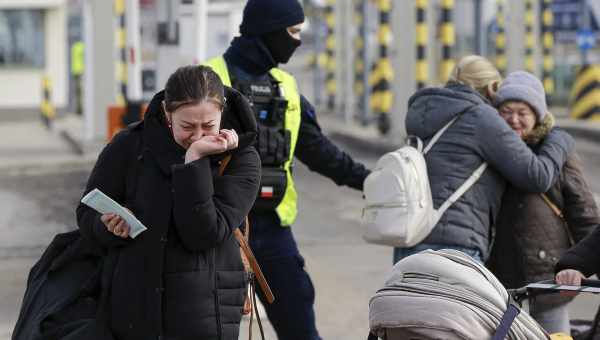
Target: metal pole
x,y
381,79
320,57
359,62
448,39
121,38
331,85
478,13
348,74
366,95
200,30
548,46
501,60
422,73
90,130
529,37
585,26
134,67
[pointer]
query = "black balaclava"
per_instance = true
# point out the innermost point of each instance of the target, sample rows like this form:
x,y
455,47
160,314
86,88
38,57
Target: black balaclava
x,y
264,16
281,45
262,22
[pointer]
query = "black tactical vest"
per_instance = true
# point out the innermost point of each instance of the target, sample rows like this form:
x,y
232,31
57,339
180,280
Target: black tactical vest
x,y
273,142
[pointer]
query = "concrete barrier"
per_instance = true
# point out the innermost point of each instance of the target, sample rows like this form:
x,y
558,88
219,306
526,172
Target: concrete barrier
x,y
585,96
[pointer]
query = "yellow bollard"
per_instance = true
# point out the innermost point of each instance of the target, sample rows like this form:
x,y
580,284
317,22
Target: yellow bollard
x,y
121,39
530,40
501,60
330,42
47,109
381,78
421,73
560,336
448,39
548,46
585,96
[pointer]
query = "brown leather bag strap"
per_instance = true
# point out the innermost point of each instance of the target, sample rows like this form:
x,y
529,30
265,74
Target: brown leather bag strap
x,y
243,241
223,164
262,282
560,215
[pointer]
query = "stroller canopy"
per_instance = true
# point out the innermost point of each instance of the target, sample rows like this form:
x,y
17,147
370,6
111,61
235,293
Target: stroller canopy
x,y
444,295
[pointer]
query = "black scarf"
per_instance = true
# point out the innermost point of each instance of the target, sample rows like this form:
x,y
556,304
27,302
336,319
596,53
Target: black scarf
x,y
250,54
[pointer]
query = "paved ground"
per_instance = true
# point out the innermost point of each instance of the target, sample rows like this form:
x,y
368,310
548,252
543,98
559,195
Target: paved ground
x,y
345,270
41,180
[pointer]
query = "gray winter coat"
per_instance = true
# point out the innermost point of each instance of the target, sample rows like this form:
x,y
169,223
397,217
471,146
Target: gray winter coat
x,y
479,135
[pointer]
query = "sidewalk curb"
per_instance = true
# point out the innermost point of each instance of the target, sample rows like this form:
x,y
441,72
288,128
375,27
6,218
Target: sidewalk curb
x,y
351,134
365,138
579,128
54,166
371,146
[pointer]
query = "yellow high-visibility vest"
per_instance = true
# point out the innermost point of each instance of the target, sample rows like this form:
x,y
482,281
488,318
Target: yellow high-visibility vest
x,y
287,209
77,59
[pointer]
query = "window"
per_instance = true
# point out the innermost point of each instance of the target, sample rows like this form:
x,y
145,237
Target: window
x,y
22,38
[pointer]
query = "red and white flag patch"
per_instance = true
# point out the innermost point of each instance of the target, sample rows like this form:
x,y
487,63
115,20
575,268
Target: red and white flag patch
x,y
266,192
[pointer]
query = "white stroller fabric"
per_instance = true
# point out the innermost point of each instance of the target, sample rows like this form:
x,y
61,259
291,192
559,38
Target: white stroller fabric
x,y
444,295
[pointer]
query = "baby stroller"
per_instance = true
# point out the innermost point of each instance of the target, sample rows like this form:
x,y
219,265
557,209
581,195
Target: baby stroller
x,y
447,295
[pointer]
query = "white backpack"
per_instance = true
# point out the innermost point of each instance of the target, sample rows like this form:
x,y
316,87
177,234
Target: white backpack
x,y
399,208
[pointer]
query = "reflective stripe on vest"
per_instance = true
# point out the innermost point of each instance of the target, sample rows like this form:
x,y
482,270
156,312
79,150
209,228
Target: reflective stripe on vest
x,y
287,209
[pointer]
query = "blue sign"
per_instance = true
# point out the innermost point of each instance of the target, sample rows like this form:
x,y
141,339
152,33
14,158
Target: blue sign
x,y
586,39
568,19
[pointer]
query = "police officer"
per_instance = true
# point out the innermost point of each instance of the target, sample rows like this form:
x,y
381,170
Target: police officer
x,y
270,33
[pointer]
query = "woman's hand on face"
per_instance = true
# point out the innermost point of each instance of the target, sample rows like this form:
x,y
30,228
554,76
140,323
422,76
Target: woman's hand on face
x,y
231,137
116,225
569,277
212,145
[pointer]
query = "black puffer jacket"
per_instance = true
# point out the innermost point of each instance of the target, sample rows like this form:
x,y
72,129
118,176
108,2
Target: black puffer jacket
x,y
584,256
479,135
182,278
530,236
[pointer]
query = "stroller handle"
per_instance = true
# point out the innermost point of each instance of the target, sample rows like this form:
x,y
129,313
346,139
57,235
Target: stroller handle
x,y
590,283
550,287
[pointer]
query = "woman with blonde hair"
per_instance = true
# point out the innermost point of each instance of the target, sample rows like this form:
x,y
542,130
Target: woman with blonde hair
x,y
477,135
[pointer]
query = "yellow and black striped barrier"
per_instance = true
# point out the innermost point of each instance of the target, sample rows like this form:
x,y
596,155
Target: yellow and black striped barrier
x,y
547,47
501,60
529,37
421,73
121,40
585,96
381,78
47,109
360,53
448,39
330,83
316,60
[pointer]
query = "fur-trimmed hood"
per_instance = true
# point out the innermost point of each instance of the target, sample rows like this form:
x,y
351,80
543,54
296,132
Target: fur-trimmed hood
x,y
540,131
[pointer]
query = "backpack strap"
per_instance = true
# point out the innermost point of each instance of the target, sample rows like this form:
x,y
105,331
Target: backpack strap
x,y
460,191
438,134
467,184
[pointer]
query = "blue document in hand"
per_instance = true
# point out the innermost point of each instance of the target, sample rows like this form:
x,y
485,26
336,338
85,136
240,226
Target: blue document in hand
x,y
103,204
